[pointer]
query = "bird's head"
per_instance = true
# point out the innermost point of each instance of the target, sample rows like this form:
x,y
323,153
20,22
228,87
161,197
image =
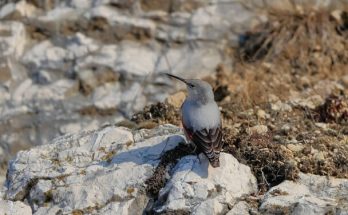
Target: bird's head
x,y
198,90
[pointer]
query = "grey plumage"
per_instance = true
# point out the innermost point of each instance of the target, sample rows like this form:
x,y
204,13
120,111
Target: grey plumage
x,y
201,118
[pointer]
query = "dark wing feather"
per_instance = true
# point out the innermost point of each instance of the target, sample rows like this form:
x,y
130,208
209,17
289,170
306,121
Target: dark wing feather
x,y
209,141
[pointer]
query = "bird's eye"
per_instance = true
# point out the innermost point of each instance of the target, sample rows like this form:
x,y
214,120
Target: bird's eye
x,y
191,85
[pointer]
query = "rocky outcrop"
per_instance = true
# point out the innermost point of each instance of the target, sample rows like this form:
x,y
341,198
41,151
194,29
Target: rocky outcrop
x,y
311,194
14,208
197,187
104,172
108,171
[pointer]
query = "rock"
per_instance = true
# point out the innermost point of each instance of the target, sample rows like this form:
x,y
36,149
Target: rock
x,y
13,38
325,88
60,14
27,91
176,99
105,55
261,114
295,147
319,156
71,128
336,14
14,208
286,128
196,187
46,55
310,102
211,22
200,61
281,106
113,96
345,81
107,96
241,208
102,170
322,125
128,57
257,129
281,6
4,95
115,18
80,45
311,194
17,10
136,59
2,181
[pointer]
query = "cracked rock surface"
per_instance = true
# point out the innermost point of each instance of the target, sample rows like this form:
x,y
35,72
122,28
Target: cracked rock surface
x,y
14,208
93,172
311,194
105,172
197,187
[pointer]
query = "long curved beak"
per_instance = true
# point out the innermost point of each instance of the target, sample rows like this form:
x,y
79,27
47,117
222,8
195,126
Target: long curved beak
x,y
176,77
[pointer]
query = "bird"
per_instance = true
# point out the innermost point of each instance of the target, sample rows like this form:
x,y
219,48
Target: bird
x,y
201,120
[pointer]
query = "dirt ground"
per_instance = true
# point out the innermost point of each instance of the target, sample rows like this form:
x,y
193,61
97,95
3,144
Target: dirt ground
x,y
284,102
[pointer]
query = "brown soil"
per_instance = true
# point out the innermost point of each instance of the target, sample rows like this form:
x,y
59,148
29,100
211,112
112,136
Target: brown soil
x,y
159,113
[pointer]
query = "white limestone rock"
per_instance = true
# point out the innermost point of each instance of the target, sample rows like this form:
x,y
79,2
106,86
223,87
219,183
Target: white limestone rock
x,y
59,14
72,128
197,187
12,39
17,10
4,95
105,55
113,96
107,96
214,21
14,208
28,91
47,56
116,18
257,129
136,59
241,208
103,170
80,45
311,194
190,62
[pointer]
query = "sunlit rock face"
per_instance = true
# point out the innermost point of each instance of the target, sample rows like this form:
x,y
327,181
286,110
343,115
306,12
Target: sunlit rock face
x,y
105,171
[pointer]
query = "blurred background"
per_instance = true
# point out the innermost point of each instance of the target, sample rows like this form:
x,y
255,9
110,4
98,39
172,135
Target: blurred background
x,y
72,65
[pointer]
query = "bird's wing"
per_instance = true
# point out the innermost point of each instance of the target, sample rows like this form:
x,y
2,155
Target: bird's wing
x,y
209,141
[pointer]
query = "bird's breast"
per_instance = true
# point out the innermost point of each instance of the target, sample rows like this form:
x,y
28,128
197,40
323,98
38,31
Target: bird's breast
x,y
198,116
